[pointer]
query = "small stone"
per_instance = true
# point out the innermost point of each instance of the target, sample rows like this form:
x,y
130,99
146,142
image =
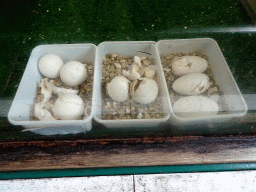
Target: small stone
x,y
167,69
147,116
212,90
108,105
139,116
123,65
122,113
112,68
169,65
117,65
112,75
151,108
113,55
114,113
127,111
119,57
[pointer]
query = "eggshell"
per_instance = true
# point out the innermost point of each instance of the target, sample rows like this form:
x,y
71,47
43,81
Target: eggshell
x,y
118,88
49,65
146,92
191,84
189,64
195,106
42,114
73,73
68,107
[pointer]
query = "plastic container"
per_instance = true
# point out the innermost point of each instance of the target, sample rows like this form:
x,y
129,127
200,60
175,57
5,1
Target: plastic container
x,y
222,75
141,49
24,98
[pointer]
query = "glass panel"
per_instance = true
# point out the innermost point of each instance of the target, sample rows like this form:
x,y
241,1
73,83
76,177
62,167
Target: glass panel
x,y
222,32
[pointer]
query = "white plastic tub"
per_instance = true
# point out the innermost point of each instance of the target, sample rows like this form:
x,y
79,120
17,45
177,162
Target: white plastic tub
x,y
141,49
19,113
222,75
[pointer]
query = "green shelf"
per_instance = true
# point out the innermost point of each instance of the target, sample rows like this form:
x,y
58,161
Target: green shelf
x,y
25,25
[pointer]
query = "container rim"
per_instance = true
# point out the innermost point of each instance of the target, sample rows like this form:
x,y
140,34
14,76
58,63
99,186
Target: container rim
x,y
57,122
222,116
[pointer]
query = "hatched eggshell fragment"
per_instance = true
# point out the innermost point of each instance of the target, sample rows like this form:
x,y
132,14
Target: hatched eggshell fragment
x,y
60,90
191,84
150,71
137,60
189,64
195,106
118,88
42,114
45,90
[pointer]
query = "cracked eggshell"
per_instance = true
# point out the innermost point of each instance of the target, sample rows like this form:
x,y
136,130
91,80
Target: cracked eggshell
x,y
49,65
131,75
45,90
43,114
118,88
60,90
150,71
137,60
144,91
189,64
73,73
68,107
191,84
195,106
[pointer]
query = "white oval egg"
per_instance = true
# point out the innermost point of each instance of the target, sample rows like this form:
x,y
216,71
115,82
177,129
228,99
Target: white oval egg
x,y
195,106
191,84
73,73
189,64
145,91
118,88
68,107
49,65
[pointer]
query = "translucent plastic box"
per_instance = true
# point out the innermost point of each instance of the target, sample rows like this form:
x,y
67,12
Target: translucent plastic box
x,y
222,76
24,99
129,49
19,113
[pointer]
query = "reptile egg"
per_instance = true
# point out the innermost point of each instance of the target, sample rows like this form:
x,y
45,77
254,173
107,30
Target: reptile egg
x,y
189,64
118,88
68,107
73,73
191,84
50,65
144,91
195,106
